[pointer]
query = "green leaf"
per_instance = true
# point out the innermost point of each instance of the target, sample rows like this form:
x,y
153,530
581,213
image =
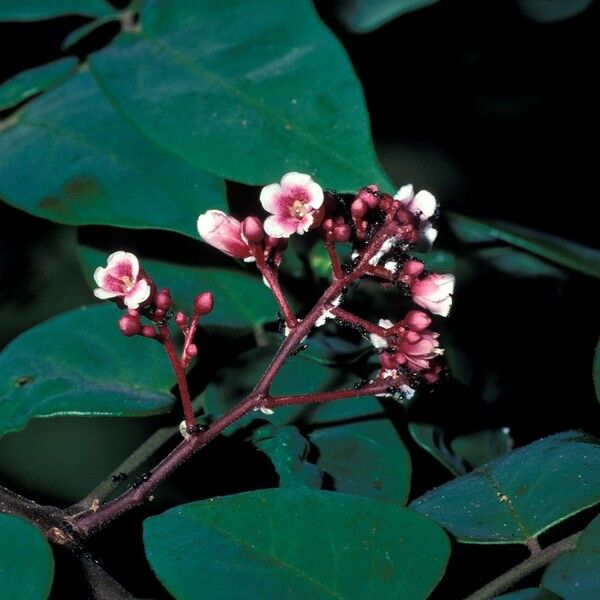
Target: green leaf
x,y
33,81
563,252
241,300
288,449
82,32
364,16
97,169
518,264
33,10
246,89
295,544
363,457
596,370
79,364
551,11
520,495
431,439
574,575
26,561
482,446
529,594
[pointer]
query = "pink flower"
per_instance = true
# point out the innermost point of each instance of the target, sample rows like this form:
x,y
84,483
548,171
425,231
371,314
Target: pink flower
x,y
434,293
292,204
224,233
122,280
423,205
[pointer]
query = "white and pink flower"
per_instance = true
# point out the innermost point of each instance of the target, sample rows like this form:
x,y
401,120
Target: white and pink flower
x,y
122,280
422,204
434,292
224,233
292,203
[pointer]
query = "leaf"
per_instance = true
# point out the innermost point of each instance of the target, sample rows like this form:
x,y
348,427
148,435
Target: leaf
x,y
82,32
246,89
563,252
240,299
529,594
26,561
363,457
521,494
33,81
574,575
551,11
295,544
596,370
33,10
78,363
364,16
288,449
430,438
482,446
518,264
97,169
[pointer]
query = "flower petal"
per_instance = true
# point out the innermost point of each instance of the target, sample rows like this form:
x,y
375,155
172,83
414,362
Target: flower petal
x,y
269,197
123,264
405,193
280,226
294,179
105,294
139,293
425,203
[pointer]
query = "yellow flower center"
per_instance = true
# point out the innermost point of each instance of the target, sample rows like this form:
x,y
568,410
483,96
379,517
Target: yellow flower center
x,y
298,209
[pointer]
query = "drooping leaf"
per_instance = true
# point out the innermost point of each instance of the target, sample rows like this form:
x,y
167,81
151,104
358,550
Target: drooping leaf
x,y
96,168
574,574
241,300
529,594
295,544
518,264
563,252
34,10
521,494
246,89
82,32
364,16
596,370
550,11
431,439
33,81
26,561
288,449
363,457
480,447
79,364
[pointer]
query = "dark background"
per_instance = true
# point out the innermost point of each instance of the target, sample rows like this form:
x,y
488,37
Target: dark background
x,y
496,115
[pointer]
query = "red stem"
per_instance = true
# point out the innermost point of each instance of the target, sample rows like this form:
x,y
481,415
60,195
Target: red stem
x,y
180,374
335,261
188,337
352,319
273,281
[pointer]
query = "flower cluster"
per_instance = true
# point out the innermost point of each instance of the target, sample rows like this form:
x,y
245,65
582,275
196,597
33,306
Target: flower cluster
x,y
382,229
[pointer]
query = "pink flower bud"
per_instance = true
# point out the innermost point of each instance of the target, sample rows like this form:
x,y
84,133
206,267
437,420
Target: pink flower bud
x,y
342,233
130,325
369,196
388,360
148,331
162,300
327,225
358,209
434,293
180,319
252,230
413,268
224,233
191,351
203,303
417,320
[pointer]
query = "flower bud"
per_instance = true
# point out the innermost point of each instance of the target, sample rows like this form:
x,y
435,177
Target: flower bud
x,y
130,325
342,233
369,196
386,202
180,319
203,304
387,360
252,230
191,351
327,225
163,300
148,331
358,209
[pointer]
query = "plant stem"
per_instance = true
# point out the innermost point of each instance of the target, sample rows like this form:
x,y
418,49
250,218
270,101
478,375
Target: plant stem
x,y
181,376
377,387
335,261
528,566
355,321
273,281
